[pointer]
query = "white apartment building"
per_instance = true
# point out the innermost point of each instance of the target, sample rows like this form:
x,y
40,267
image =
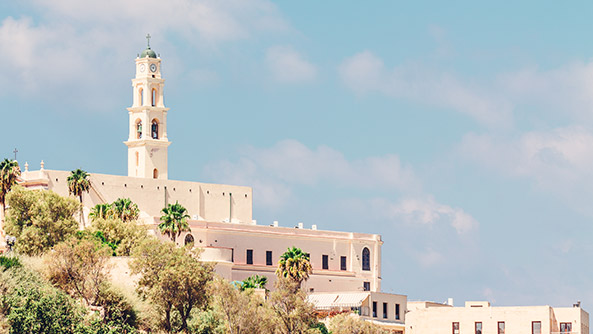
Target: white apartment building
x,y
482,318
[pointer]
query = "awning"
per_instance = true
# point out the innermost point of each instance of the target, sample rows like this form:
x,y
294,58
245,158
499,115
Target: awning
x,y
322,301
327,301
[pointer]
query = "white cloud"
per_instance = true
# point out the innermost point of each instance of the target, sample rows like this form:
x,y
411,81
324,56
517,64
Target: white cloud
x,y
566,90
366,73
429,257
274,173
210,20
83,48
427,211
291,162
558,160
287,65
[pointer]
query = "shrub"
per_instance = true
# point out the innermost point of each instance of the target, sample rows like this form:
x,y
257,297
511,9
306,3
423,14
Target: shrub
x,y
9,262
116,308
31,305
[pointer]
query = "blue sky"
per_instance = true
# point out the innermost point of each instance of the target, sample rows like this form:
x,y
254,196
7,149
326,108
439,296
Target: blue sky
x,y
461,132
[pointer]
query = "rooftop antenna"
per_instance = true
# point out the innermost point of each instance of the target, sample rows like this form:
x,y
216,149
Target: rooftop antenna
x,y
15,152
148,40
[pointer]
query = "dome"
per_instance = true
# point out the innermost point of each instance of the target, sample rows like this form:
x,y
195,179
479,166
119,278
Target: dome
x,y
148,52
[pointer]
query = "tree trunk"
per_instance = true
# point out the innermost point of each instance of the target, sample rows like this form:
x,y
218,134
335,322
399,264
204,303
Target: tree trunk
x,y
81,220
2,219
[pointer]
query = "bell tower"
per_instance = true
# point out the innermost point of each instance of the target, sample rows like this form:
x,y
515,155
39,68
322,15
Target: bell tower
x,y
147,141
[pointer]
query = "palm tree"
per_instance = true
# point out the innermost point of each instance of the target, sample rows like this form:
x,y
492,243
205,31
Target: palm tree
x,y
125,209
100,211
174,220
9,173
294,264
78,183
254,282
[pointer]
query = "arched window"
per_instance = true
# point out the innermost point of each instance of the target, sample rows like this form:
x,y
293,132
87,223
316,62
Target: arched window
x,y
141,96
366,259
155,129
189,239
137,158
155,174
154,97
138,129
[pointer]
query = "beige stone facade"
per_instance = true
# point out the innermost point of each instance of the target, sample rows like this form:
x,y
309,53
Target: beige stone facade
x,y
384,309
204,201
482,318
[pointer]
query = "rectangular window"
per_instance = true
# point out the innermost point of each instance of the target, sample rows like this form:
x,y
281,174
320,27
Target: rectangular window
x,y
325,262
374,309
249,256
478,328
384,310
536,327
501,327
565,327
455,328
269,261
366,286
396,311
342,263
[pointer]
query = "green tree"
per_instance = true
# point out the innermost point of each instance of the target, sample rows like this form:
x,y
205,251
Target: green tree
x,y
173,279
294,264
78,183
125,209
242,312
348,323
9,173
122,236
254,282
79,267
39,219
294,315
174,220
100,211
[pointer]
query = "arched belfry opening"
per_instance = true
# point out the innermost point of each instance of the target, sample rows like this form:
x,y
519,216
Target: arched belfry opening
x,y
154,129
138,129
141,96
154,97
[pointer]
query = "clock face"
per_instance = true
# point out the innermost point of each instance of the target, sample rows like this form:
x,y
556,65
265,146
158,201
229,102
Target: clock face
x,y
142,67
153,67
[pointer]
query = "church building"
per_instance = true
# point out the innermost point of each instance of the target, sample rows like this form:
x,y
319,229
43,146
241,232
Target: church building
x,y
346,266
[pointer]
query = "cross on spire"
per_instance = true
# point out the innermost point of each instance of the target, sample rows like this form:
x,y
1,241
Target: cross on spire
x,y
148,40
15,152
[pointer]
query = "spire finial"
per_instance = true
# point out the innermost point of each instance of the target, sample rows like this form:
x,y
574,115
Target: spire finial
x,y
148,40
